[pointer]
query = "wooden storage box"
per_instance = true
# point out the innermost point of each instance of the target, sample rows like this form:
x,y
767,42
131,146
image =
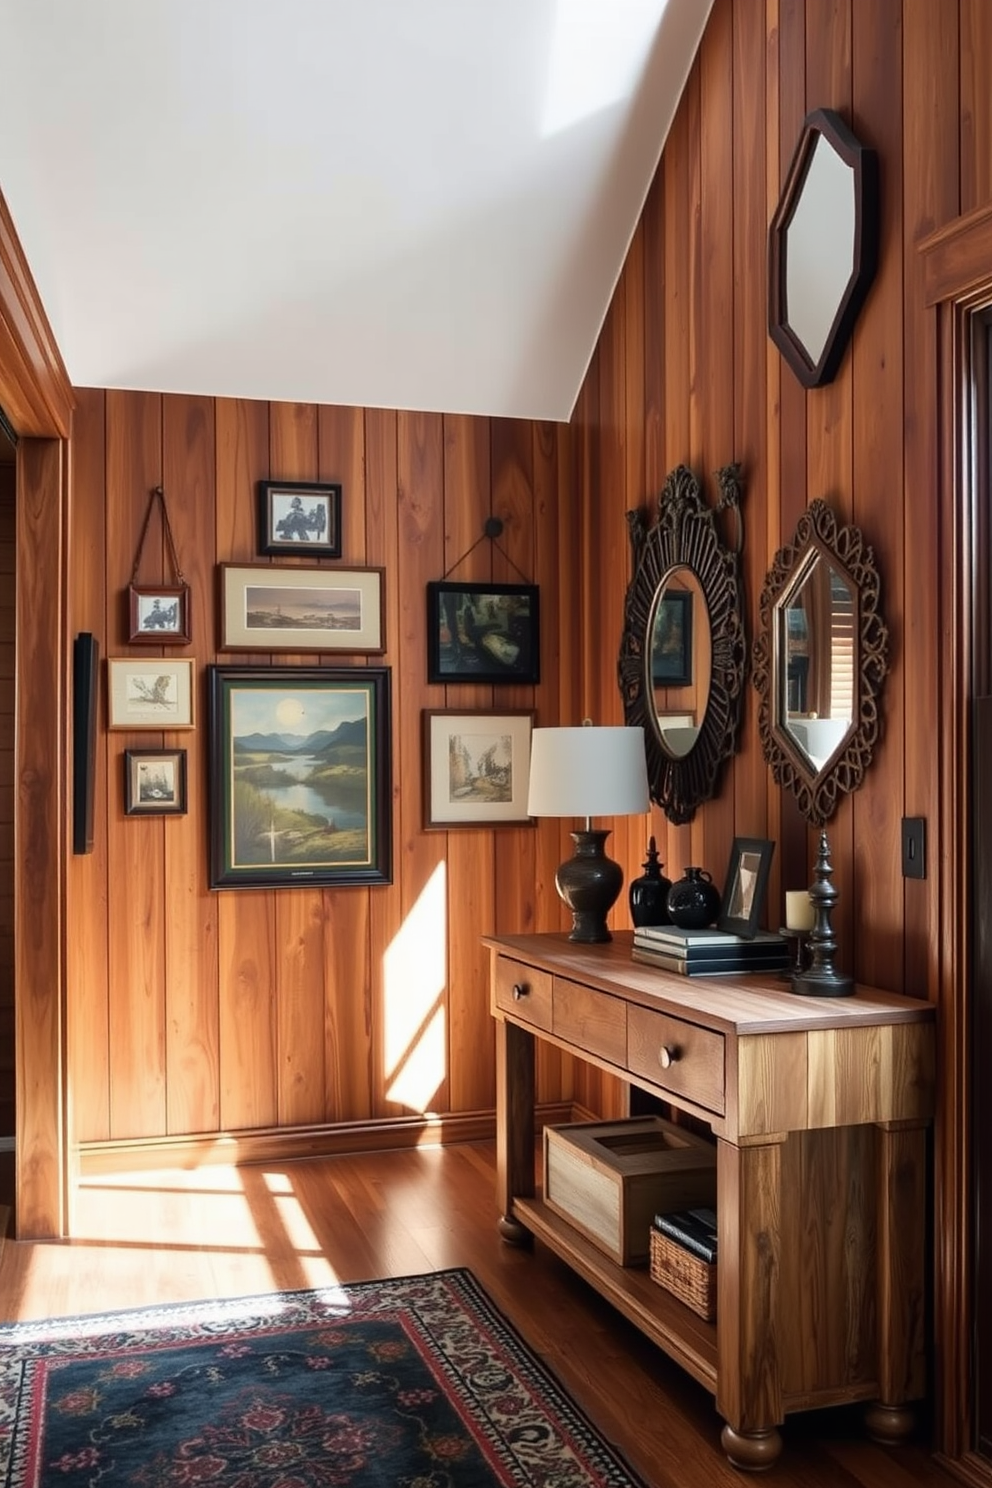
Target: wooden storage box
x,y
610,1178
683,1274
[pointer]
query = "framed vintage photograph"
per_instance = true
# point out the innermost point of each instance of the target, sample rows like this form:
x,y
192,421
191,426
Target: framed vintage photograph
x,y
155,782
671,639
745,885
476,768
267,608
483,633
299,776
158,615
299,517
149,694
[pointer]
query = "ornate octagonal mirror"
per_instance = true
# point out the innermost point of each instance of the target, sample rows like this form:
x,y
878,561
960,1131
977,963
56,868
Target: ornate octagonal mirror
x,y
822,248
819,662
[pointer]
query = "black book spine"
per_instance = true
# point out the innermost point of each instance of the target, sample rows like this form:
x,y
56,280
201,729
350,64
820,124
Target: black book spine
x,y
698,1245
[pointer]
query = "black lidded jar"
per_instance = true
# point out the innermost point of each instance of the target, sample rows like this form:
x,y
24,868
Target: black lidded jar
x,y
649,894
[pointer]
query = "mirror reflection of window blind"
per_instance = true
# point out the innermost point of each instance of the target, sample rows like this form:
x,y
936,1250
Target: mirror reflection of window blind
x,y
841,648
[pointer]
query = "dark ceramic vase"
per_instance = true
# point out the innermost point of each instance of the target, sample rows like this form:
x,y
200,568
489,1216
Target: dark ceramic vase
x,y
694,902
649,893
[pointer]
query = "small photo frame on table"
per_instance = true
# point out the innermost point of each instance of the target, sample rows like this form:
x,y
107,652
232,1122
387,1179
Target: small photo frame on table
x,y
745,886
476,768
483,633
158,615
300,791
268,608
155,782
149,694
299,517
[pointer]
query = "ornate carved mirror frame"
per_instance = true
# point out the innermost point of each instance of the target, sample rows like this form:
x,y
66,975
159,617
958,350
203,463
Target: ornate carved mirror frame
x,y
842,554
684,539
822,247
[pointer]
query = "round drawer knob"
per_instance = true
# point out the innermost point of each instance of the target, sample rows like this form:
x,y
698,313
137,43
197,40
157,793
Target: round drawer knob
x,y
519,991
667,1056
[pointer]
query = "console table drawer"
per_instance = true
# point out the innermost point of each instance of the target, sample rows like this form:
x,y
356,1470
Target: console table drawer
x,y
524,992
681,1057
594,1021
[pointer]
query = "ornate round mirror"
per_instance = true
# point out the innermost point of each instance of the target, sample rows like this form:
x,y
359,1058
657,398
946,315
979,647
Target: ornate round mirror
x,y
683,653
822,247
677,661
819,662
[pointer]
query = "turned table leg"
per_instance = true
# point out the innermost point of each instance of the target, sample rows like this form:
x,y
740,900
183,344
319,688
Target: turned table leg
x,y
514,1125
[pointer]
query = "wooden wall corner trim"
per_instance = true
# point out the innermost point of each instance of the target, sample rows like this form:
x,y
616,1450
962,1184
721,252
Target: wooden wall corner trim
x,y
956,257
35,392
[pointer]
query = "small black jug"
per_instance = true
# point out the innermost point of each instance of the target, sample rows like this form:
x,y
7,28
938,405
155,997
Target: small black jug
x,y
694,902
649,893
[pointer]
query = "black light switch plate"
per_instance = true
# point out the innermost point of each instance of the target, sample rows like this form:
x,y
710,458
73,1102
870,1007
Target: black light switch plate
x,y
914,847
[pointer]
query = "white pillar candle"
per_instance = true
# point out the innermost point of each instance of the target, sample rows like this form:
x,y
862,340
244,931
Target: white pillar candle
x,y
798,910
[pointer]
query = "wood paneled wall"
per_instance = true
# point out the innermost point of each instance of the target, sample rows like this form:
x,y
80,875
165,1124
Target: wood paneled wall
x,y
193,1011
7,568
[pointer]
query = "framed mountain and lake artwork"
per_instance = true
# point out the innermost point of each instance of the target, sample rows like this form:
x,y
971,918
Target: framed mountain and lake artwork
x,y
299,776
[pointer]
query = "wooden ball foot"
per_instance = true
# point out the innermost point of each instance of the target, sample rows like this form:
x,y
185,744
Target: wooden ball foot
x,y
751,1451
889,1424
512,1231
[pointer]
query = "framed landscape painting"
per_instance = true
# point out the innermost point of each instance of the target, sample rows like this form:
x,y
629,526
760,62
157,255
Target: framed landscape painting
x,y
299,776
269,608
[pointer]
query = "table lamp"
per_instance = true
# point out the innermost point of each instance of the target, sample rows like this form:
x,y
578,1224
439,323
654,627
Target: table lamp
x,y
588,771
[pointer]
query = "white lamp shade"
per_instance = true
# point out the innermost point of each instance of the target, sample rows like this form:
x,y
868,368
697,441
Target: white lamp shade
x,y
587,772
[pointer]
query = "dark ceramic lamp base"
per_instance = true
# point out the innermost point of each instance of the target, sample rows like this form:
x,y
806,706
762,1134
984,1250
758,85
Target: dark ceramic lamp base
x,y
590,885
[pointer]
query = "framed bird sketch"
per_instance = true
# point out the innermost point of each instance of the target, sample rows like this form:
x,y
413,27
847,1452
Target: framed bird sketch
x,y
149,694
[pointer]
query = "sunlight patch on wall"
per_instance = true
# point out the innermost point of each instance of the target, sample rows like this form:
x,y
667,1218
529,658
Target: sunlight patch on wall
x,y
414,973
598,53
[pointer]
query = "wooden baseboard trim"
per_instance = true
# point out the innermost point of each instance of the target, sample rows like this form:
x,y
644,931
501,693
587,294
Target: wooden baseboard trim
x,y
283,1144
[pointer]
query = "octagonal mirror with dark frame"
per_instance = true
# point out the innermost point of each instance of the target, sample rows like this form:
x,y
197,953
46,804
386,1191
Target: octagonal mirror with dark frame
x,y
819,662
822,247
683,653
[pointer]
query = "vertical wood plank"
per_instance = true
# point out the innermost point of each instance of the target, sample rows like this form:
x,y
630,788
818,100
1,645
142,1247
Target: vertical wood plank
x,y
246,931
86,901
191,965
135,858
976,101
299,912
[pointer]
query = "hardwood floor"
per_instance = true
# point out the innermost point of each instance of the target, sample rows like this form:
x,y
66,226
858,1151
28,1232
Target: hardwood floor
x,y
144,1238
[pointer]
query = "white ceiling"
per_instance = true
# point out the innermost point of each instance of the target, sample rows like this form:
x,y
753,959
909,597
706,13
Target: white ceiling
x,y
389,203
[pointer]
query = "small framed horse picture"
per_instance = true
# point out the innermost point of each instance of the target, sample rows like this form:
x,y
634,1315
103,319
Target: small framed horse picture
x,y
299,517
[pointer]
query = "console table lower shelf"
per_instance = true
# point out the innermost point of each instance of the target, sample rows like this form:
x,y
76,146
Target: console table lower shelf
x,y
819,1110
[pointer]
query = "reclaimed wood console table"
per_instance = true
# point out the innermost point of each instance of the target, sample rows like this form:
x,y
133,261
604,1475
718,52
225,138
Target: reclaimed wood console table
x,y
819,1108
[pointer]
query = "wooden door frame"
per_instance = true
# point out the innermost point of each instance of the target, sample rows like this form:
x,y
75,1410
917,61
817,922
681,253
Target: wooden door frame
x,y
957,270
36,397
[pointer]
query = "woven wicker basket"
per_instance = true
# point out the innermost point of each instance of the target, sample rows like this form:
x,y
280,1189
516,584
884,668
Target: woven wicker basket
x,y
687,1277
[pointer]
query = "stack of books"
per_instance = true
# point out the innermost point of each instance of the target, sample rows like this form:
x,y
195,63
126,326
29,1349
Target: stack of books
x,y
709,952
693,1229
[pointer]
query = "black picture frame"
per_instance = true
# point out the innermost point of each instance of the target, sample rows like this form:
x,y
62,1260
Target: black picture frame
x,y
158,615
332,826
671,639
745,886
155,782
482,632
300,517
85,696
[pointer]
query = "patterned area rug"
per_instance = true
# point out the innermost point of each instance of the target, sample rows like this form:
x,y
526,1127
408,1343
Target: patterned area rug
x,y
412,1383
